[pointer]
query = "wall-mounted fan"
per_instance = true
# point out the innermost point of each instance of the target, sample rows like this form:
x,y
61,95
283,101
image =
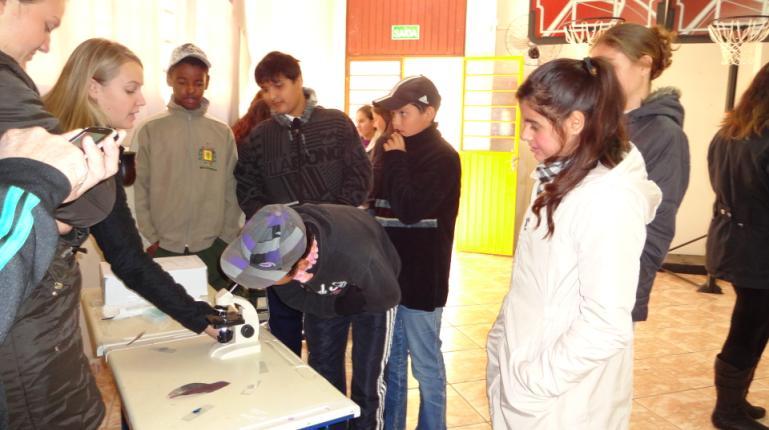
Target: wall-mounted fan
x,y
517,42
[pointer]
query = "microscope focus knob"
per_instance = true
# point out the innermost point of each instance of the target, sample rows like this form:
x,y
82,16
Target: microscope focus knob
x,y
247,330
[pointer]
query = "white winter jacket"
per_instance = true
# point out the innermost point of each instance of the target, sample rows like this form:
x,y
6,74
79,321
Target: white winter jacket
x,y
561,350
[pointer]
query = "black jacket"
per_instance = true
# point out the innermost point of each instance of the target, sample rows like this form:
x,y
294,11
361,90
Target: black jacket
x,y
354,251
117,235
417,203
738,237
29,193
47,379
20,104
122,246
655,128
324,164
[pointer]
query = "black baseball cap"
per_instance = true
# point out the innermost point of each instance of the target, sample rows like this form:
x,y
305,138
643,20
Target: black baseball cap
x,y
414,89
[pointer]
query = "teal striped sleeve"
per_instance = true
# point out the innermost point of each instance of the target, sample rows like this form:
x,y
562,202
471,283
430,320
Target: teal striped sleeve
x,y
16,222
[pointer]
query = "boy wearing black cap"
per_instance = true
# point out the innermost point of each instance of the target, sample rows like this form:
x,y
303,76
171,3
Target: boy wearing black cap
x,y
416,199
185,186
336,264
304,153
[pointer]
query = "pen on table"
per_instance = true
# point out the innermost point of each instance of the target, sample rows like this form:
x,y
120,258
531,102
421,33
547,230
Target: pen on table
x,y
138,336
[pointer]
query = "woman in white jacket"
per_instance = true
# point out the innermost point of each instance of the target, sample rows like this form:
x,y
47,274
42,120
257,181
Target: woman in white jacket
x,y
560,352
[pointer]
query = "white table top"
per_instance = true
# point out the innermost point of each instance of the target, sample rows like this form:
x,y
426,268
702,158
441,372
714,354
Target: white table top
x,y
107,334
271,389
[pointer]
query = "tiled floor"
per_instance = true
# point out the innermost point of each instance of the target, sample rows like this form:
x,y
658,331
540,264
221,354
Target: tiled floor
x,y
674,351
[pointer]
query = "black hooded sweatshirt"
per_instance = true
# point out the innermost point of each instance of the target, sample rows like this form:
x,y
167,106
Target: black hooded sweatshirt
x,y
656,129
353,251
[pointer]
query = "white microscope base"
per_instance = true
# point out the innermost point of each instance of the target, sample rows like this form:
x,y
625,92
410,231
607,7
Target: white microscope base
x,y
234,350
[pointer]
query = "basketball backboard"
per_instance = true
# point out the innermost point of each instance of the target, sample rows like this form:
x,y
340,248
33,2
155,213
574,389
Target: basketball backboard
x,y
689,18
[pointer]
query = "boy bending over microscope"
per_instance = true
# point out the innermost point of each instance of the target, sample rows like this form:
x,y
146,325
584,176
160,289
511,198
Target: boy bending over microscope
x,y
336,264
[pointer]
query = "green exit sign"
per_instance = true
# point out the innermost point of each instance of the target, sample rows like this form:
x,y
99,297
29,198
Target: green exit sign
x,y
404,32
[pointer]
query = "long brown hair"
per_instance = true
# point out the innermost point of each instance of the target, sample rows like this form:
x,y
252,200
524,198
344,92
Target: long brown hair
x,y
590,86
258,111
636,40
751,115
377,152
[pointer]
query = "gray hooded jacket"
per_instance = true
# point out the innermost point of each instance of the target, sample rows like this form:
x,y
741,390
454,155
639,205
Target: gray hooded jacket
x,y
656,129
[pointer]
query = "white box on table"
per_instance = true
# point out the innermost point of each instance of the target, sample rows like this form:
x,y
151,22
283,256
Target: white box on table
x,y
187,270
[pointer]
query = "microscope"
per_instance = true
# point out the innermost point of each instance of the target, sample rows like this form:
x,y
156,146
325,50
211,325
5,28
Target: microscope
x,y
238,326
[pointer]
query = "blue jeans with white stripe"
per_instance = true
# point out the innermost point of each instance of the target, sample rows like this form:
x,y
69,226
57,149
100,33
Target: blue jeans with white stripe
x,y
417,333
371,336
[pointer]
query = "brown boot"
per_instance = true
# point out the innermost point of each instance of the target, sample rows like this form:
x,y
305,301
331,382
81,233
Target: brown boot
x,y
755,412
731,387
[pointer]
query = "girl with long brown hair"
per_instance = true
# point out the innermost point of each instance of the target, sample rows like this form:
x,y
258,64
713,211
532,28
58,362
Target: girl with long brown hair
x,y
738,248
560,353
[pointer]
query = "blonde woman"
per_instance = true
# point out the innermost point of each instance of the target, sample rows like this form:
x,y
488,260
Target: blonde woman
x,y
48,382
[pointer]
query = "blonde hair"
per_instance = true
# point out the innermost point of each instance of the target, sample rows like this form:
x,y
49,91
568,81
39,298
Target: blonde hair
x,y
68,100
635,41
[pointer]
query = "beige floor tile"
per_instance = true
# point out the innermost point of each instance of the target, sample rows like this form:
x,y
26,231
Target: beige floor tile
x,y
476,332
412,408
644,419
691,338
459,412
762,371
462,299
465,366
475,394
454,339
672,373
651,346
485,426
475,314
685,409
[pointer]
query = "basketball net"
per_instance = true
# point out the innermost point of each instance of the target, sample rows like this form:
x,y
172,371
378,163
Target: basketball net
x,y
731,33
587,30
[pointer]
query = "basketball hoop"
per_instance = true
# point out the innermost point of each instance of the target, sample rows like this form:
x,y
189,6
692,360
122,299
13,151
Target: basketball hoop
x,y
731,33
587,30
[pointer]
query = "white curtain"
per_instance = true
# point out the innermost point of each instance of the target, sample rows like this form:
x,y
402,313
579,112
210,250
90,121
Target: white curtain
x,y
313,31
152,29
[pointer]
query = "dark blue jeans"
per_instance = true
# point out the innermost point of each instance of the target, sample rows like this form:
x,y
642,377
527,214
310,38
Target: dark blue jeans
x,y
371,337
416,334
285,322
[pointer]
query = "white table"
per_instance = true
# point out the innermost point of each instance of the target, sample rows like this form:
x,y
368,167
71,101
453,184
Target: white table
x,y
272,389
107,334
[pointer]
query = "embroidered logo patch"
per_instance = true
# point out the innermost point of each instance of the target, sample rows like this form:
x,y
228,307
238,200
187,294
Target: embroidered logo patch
x,y
207,158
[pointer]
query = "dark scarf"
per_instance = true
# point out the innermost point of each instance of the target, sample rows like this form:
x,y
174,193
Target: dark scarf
x,y
546,173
